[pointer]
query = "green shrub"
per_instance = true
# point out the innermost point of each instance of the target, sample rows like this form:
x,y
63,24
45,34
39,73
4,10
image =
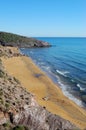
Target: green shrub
x,y
19,128
6,125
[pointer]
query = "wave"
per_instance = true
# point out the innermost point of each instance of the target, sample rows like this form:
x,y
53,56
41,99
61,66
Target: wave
x,y
70,96
78,65
82,89
78,62
75,67
31,52
41,63
62,72
46,67
66,91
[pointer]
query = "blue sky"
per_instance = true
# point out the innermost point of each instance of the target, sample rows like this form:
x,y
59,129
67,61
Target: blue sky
x,y
44,17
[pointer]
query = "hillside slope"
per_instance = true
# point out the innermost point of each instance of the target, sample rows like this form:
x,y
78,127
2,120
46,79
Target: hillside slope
x,y
9,39
19,109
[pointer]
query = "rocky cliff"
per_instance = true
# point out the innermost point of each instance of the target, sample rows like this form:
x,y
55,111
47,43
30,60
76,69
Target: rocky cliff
x,y
9,39
19,109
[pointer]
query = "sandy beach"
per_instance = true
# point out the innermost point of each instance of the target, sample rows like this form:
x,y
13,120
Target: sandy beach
x,y
46,92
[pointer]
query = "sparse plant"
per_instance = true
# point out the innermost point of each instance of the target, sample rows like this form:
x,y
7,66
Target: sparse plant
x,y
6,124
1,92
19,128
7,105
2,74
0,62
1,101
17,80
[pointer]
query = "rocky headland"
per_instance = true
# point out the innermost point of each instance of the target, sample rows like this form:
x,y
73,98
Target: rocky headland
x,y
13,40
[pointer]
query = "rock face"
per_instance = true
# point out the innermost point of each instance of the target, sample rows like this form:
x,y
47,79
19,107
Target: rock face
x,y
9,39
8,52
19,109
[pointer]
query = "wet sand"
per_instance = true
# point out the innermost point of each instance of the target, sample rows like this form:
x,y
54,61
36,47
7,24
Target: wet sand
x,y
46,92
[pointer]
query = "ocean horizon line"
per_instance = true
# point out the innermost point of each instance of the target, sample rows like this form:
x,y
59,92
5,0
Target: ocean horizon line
x,y
55,37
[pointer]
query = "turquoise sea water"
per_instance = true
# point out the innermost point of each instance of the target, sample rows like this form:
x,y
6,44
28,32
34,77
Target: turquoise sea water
x,y
65,63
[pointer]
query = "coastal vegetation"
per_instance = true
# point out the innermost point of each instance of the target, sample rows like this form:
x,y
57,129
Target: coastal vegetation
x,y
10,39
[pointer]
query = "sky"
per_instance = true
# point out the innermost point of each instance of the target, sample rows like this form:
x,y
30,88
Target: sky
x,y
44,18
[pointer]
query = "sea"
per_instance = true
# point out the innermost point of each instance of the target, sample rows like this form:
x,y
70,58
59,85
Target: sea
x,y
65,63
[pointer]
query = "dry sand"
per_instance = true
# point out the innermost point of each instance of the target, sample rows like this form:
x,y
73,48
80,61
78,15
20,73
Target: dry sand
x,y
47,93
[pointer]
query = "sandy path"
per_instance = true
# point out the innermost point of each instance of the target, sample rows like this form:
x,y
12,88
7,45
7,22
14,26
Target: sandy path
x,y
46,92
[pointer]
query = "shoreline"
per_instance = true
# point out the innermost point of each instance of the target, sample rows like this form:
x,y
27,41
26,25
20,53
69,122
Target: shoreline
x,y
70,96
46,92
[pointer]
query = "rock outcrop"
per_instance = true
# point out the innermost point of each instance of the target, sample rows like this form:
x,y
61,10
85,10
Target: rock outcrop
x,y
19,109
13,40
8,52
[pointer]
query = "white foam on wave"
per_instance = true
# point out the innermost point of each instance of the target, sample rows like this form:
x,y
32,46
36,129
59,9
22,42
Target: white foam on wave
x,y
72,80
46,68
78,85
82,89
70,96
31,52
41,63
62,72
23,48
